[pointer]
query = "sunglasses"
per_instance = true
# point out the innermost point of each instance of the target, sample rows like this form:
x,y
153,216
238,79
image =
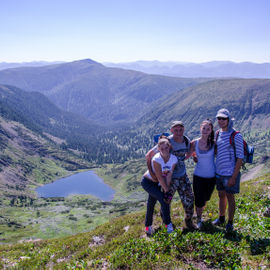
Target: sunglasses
x,y
222,118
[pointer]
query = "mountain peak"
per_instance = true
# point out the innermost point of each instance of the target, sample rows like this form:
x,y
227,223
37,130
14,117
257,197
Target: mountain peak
x,y
86,62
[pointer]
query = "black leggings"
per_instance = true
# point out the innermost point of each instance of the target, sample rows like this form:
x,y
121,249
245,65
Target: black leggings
x,y
203,189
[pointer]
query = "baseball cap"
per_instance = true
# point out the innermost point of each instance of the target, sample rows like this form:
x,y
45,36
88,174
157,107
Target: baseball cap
x,y
177,123
223,113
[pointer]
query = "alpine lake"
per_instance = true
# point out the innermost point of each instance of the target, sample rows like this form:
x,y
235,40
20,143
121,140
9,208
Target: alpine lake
x,y
80,183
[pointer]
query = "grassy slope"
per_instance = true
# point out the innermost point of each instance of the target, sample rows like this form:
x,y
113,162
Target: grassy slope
x,y
121,243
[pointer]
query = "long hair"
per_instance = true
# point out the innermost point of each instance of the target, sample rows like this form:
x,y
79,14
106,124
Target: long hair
x,y
211,137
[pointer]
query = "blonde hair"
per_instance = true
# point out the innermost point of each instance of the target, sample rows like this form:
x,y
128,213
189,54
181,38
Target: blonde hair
x,y
164,140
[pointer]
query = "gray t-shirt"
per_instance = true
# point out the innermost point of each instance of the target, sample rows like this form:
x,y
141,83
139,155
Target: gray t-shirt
x,y
179,150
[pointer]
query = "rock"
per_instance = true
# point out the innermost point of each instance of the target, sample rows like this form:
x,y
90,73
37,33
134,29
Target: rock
x,y
267,212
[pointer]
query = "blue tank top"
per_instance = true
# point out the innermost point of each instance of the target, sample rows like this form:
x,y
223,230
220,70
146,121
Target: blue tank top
x,y
205,167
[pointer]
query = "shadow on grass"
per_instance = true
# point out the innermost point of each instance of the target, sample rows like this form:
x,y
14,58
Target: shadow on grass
x,y
258,246
208,227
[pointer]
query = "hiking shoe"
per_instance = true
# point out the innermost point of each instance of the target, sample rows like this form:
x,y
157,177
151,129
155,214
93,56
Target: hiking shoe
x,y
169,228
229,227
190,225
218,222
149,230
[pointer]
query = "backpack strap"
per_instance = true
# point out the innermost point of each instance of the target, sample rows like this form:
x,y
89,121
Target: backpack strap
x,y
232,137
232,143
186,141
215,142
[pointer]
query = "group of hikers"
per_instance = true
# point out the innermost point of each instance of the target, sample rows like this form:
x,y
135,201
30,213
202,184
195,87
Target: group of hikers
x,y
217,164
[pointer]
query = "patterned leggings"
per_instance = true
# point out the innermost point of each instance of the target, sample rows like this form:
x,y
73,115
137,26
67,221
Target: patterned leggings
x,y
183,186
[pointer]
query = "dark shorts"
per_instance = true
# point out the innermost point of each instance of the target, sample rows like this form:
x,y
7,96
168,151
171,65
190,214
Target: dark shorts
x,y
203,189
222,184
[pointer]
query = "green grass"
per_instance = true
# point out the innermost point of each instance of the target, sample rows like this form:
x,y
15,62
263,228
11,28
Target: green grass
x,y
46,170
121,243
58,217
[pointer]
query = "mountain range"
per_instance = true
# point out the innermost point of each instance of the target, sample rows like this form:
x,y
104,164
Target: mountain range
x,y
102,94
214,69
98,97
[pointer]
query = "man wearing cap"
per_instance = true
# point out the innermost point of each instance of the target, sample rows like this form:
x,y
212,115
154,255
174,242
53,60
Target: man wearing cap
x,y
180,181
228,164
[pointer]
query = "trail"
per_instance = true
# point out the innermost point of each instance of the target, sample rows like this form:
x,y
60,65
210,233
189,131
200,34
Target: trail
x,y
252,173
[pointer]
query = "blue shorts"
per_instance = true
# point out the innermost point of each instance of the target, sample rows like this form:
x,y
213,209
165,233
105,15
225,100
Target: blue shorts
x,y
222,184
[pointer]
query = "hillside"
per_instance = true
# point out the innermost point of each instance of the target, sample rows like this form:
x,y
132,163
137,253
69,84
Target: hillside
x,y
121,243
37,113
247,99
105,95
28,160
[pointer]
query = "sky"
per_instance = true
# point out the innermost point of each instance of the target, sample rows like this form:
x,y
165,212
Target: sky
x,y
130,30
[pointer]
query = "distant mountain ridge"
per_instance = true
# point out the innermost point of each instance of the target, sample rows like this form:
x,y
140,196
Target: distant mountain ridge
x,y
214,69
247,99
6,65
99,93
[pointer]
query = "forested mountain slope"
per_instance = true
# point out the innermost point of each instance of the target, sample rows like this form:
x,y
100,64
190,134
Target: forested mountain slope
x,y
36,112
247,99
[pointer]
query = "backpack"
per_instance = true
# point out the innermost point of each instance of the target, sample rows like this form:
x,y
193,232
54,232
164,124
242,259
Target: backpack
x,y
156,137
248,149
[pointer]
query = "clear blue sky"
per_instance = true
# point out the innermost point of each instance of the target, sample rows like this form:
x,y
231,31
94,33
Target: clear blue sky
x,y
130,30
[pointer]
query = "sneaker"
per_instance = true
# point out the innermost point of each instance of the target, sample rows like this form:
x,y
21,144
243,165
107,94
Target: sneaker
x,y
149,230
229,227
190,225
218,222
200,224
169,228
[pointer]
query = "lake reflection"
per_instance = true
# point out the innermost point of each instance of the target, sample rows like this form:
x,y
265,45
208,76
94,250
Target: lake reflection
x,y
81,183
